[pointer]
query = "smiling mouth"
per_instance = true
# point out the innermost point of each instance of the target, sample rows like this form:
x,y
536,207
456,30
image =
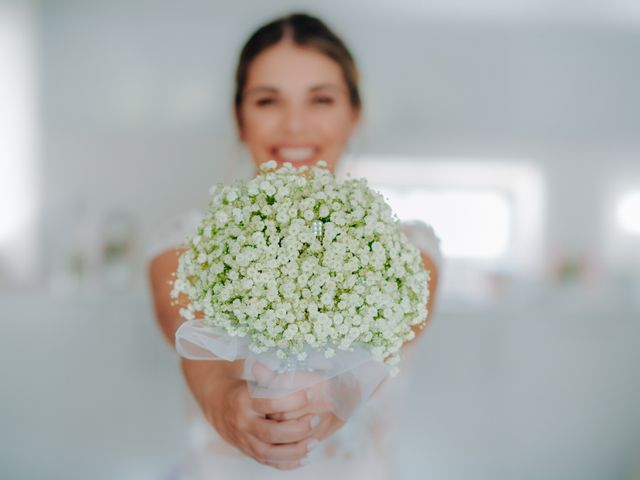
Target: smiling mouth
x,y
294,154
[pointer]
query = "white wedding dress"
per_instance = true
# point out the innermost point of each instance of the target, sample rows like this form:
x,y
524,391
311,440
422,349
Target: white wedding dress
x,y
362,449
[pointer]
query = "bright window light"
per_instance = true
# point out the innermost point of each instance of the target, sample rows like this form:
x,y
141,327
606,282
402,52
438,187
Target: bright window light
x,y
488,213
471,223
16,122
18,248
628,212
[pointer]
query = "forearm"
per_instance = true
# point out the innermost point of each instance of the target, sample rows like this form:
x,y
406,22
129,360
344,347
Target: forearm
x,y
169,322
202,375
167,313
214,384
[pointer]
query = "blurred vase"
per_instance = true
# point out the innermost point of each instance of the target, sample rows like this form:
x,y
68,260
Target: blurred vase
x,y
118,240
74,264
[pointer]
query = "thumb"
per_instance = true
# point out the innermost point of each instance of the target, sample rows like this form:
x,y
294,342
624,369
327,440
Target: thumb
x,y
264,376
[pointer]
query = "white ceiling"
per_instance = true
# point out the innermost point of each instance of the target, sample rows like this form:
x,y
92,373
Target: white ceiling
x,y
587,11
592,12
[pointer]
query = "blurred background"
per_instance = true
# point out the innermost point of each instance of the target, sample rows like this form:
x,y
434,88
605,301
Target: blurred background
x,y
512,127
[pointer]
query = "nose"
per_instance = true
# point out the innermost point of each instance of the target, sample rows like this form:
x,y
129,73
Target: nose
x,y
294,121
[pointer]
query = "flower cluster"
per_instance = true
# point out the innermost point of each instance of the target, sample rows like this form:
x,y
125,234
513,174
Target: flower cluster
x,y
295,258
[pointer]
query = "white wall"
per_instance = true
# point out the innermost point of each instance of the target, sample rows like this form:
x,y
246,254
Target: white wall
x,y
137,102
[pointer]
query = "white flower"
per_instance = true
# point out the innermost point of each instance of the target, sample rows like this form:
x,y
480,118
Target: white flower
x,y
231,195
290,260
270,165
221,218
323,212
291,331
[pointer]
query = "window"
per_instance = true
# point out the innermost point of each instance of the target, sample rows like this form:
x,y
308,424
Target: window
x,y
488,214
472,223
628,212
17,144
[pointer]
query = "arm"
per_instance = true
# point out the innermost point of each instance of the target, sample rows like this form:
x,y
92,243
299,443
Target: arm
x,y
223,396
161,270
430,265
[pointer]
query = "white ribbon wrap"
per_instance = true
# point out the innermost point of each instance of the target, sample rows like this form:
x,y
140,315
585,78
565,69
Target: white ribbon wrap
x,y
351,376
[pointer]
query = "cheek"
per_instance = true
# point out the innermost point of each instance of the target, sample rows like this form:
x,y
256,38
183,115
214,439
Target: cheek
x,y
339,130
257,131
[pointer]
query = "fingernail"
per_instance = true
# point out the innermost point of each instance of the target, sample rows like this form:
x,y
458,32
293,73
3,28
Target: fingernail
x,y
311,445
309,394
305,461
315,421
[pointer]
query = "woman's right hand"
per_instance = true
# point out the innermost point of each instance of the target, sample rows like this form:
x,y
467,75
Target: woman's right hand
x,y
224,397
243,421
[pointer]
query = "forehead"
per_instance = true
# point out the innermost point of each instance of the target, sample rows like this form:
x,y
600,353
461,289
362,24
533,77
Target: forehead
x,y
288,66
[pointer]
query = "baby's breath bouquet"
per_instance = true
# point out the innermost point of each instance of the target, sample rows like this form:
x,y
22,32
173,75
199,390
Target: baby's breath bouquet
x,y
300,271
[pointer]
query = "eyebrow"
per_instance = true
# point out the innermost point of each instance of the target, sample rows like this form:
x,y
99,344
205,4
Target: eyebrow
x,y
256,90
323,86
269,89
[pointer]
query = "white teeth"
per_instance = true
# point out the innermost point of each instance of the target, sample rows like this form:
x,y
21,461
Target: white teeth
x,y
295,153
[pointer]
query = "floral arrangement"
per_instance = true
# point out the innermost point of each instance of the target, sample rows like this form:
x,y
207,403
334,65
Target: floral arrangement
x,y
295,258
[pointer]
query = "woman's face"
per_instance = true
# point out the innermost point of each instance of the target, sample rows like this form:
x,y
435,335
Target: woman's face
x,y
296,107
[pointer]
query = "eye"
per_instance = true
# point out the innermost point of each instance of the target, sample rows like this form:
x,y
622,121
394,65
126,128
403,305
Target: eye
x,y
265,101
323,100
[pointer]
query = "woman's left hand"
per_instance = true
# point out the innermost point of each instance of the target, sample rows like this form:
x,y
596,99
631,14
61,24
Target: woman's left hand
x,y
324,421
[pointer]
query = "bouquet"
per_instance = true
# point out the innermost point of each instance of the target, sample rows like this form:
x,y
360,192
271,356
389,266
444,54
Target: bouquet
x,y
305,274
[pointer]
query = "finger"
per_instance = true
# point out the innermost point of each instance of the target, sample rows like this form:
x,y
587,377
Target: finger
x,y
315,405
272,431
289,380
264,375
289,452
323,424
284,416
292,401
329,423
293,414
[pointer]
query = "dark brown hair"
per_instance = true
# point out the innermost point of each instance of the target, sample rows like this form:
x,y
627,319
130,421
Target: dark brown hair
x,y
306,31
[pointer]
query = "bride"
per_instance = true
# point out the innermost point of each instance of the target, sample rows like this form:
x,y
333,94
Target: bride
x,y
296,100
